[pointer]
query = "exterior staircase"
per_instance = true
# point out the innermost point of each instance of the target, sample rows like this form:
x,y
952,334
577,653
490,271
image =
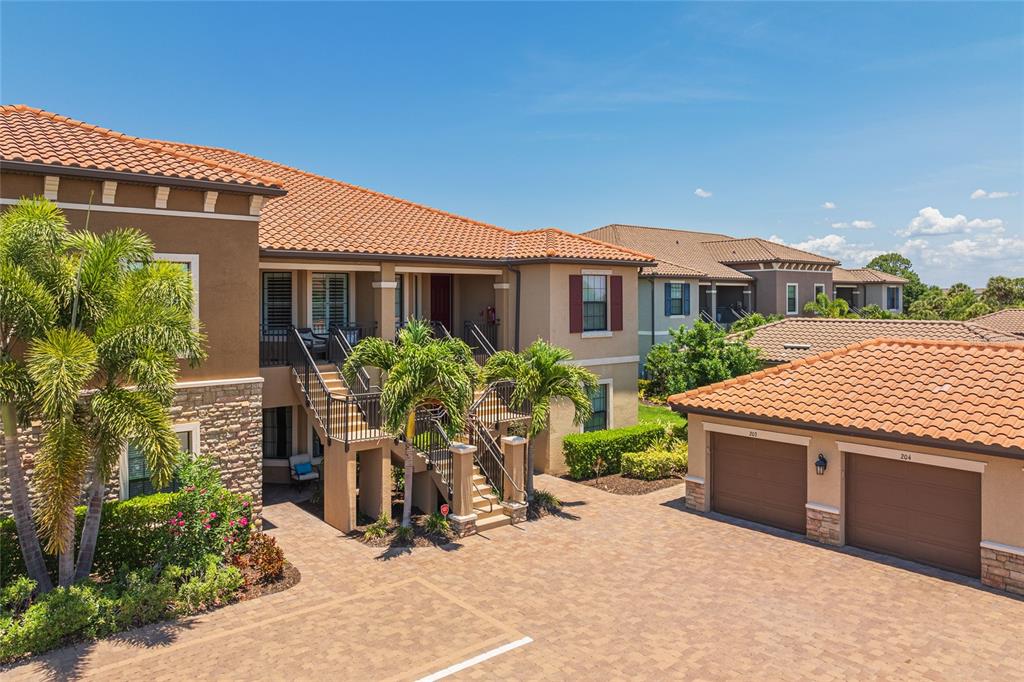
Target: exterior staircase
x,y
486,504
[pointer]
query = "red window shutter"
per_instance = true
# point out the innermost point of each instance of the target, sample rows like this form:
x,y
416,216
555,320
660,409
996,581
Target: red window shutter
x,y
615,300
575,304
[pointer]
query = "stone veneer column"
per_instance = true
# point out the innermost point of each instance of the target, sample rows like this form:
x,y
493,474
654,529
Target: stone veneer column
x,y
1002,567
695,497
823,523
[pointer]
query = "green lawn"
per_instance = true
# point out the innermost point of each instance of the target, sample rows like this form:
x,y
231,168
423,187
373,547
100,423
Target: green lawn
x,y
661,415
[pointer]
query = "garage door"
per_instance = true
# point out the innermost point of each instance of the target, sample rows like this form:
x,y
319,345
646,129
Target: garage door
x,y
759,480
915,511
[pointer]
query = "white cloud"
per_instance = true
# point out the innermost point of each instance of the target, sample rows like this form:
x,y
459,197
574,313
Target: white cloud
x,y
930,221
991,249
702,193
828,205
855,224
835,246
982,194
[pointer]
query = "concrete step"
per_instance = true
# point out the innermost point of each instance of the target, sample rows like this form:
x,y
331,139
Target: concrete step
x,y
492,522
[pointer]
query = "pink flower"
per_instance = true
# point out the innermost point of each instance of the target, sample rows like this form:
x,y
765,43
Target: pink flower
x,y
231,523
243,521
245,503
181,523
206,526
213,515
180,514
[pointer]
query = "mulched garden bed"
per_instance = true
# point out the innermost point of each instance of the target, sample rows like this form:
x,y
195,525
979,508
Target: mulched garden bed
x,y
623,485
420,538
290,577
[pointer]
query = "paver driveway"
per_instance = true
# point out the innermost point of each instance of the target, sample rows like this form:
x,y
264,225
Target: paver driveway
x,y
631,588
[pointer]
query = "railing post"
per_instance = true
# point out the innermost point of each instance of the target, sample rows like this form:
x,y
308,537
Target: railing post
x,y
462,517
513,450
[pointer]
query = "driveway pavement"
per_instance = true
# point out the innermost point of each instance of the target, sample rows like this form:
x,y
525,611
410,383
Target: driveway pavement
x,y
618,588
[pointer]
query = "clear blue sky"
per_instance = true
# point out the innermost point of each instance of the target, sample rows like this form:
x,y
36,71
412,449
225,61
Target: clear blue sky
x,y
578,115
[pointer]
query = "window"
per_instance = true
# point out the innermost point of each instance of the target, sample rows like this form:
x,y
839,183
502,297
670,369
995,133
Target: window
x,y
791,299
189,262
399,300
276,309
330,300
818,290
892,298
595,303
677,299
277,433
599,404
135,480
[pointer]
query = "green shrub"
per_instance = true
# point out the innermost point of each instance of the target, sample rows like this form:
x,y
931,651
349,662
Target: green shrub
x,y
144,598
16,597
582,450
209,586
653,464
677,432
132,533
404,534
59,616
378,529
543,503
438,525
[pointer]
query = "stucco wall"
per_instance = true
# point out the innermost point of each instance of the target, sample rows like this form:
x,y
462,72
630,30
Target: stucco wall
x,y
1002,483
662,323
770,288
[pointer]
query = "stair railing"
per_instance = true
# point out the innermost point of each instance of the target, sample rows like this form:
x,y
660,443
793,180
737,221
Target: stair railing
x,y
314,388
476,338
430,436
499,409
490,457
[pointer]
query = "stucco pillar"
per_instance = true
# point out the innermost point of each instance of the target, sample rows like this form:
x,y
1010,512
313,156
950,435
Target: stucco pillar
x,y
504,310
384,287
462,515
513,449
339,487
712,290
375,482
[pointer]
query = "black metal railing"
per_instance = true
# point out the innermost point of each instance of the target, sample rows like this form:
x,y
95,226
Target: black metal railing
x,y
495,404
274,346
488,456
354,333
339,349
430,436
483,339
439,329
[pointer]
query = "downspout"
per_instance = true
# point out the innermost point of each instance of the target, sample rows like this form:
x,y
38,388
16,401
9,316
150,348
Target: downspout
x,y
519,289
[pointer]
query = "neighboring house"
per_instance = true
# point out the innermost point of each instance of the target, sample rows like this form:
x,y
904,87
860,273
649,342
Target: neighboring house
x,y
342,262
1007,320
906,447
865,286
702,275
801,337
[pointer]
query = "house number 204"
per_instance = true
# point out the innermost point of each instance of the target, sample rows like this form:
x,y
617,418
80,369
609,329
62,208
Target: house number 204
x,y
905,456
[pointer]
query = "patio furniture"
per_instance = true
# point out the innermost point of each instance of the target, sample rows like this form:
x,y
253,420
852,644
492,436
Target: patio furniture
x,y
302,469
315,343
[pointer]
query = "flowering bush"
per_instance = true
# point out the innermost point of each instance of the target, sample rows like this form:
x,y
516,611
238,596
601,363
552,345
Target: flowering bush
x,y
263,562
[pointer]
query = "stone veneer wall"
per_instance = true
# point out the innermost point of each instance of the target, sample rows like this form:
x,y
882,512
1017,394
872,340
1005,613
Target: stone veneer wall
x,y
230,421
695,495
823,526
1002,570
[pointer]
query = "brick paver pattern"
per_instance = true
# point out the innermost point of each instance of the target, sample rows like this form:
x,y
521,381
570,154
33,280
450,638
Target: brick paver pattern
x,y
621,587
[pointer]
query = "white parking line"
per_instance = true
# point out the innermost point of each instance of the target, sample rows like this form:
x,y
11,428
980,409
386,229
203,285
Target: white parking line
x,y
470,662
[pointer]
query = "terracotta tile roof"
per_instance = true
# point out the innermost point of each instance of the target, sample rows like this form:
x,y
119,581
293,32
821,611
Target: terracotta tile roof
x,y
679,252
666,268
950,391
1007,320
864,276
757,250
801,337
35,136
320,214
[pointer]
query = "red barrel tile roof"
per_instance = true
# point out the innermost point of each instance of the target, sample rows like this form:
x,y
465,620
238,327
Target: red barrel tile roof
x,y
949,391
864,276
32,135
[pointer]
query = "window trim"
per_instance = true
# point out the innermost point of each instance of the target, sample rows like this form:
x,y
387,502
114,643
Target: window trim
x,y
823,290
796,298
610,422
193,270
606,331
899,297
122,469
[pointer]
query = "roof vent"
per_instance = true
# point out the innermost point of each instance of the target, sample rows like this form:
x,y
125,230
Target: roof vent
x,y
796,346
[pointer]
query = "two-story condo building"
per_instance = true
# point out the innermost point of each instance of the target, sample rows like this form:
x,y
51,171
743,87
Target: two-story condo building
x,y
293,268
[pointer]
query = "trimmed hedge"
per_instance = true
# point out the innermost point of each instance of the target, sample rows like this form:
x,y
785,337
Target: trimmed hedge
x,y
582,450
650,465
132,532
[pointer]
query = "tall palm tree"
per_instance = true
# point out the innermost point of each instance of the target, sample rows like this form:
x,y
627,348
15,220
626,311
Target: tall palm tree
x,y
418,371
821,306
542,374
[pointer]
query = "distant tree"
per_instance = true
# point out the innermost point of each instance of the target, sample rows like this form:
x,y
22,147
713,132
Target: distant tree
x,y
959,302
665,371
874,312
709,357
752,321
822,306
899,265
1002,292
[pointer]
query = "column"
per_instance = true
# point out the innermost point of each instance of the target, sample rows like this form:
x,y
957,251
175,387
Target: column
x,y
384,286
513,450
714,302
504,308
462,515
375,482
339,487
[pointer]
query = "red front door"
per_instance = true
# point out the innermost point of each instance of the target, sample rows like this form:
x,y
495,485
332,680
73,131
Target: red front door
x,y
441,300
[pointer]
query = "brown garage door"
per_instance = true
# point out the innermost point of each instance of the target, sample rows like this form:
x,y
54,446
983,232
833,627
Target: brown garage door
x,y
915,511
759,480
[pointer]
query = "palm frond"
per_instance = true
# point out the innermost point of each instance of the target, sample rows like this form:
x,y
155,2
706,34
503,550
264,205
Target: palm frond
x,y
60,365
58,477
123,415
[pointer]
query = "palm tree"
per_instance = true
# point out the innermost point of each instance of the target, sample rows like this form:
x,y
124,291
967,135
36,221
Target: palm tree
x,y
821,306
418,371
541,374
103,375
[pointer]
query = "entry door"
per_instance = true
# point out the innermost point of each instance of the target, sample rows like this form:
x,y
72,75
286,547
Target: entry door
x,y
760,480
441,300
915,511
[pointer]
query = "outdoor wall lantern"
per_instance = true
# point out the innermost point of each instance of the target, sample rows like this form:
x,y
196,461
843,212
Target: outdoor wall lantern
x,y
821,464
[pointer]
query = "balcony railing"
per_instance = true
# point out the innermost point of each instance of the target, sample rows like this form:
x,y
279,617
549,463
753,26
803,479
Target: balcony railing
x,y
274,346
274,341
482,337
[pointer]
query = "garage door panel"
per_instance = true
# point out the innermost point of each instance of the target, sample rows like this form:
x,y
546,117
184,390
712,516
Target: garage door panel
x,y
762,481
923,513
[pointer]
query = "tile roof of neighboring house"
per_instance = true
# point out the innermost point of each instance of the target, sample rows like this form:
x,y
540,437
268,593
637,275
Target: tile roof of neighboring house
x,y
961,393
320,214
757,250
678,251
33,136
864,276
1007,320
801,337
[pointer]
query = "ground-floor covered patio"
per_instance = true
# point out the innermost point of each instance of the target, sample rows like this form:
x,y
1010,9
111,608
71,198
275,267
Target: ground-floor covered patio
x,y
617,587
